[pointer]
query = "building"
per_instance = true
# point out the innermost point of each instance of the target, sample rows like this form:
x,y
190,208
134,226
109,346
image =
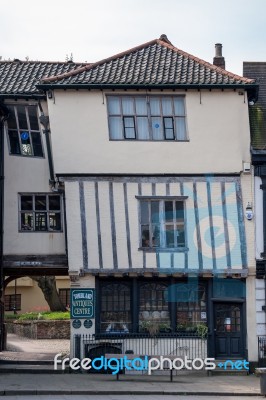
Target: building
x,y
32,216
257,70
151,148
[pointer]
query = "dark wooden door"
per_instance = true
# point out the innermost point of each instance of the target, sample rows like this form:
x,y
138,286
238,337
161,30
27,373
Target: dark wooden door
x,y
228,330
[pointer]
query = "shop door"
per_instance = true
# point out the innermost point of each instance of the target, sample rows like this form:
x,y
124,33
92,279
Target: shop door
x,y
228,330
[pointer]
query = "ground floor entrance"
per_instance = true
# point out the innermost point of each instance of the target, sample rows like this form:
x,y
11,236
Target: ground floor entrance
x,y
228,330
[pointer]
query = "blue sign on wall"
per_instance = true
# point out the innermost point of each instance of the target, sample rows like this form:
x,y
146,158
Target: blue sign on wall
x,y
82,303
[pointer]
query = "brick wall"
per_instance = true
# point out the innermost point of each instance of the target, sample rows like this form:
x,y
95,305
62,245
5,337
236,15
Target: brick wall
x,y
40,329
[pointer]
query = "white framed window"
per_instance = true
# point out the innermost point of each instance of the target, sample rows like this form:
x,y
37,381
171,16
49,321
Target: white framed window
x,y
162,222
40,212
23,131
147,117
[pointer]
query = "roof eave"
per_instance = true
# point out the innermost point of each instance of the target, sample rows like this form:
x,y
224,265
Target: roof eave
x,y
87,86
26,96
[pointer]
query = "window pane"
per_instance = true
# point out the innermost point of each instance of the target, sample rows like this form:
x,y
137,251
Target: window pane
x,y
14,142
155,106
37,144
26,203
54,203
179,206
157,128
25,143
144,212
141,106
40,203
168,207
55,221
170,238
116,131
114,105
179,106
154,211
180,234
180,128
40,221
169,128
143,128
26,221
11,122
145,236
130,133
128,106
22,120
156,236
167,106
32,112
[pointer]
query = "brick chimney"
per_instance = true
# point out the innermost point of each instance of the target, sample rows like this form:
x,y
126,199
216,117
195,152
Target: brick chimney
x,y
218,60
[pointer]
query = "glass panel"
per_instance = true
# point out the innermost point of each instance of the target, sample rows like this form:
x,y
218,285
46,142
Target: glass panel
x,y
170,236
22,120
26,203
37,144
169,128
179,207
130,133
114,105
26,221
157,128
115,308
128,106
156,236
145,236
40,221
144,212
169,212
11,122
25,143
116,131
153,314
55,221
40,203
167,106
180,234
155,106
141,106
54,203
155,211
34,124
180,128
129,122
143,128
14,142
179,106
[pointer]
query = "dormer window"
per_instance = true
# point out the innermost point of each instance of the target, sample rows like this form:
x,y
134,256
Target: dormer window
x,y
24,131
153,118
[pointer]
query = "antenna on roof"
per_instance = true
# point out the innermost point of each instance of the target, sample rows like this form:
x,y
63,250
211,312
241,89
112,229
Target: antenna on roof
x,y
69,59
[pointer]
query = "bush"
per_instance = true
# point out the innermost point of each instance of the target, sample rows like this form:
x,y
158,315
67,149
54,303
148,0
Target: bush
x,y
47,315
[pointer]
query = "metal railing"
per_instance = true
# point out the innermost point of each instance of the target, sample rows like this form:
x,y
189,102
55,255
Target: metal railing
x,y
262,351
93,346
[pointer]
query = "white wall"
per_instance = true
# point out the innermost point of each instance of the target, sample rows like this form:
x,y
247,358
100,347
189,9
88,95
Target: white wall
x,y
218,131
26,174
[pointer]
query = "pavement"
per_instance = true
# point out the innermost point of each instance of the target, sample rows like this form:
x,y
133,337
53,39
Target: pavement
x,y
30,383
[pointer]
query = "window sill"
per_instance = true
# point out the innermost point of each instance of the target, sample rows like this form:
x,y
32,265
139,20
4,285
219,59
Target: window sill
x,y
25,156
164,250
149,140
30,231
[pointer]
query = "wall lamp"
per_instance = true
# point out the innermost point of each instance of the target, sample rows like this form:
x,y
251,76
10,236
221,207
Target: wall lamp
x,y
249,212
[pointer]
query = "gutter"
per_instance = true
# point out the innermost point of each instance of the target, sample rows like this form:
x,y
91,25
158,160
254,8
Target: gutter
x,y
47,86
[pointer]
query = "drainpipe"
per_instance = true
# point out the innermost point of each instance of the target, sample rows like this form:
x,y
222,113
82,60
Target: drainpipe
x,y
4,113
44,120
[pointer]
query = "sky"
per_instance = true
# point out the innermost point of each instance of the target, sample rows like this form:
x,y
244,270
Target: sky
x,y
92,30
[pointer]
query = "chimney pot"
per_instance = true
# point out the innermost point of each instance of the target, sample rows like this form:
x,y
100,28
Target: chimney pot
x,y
218,60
